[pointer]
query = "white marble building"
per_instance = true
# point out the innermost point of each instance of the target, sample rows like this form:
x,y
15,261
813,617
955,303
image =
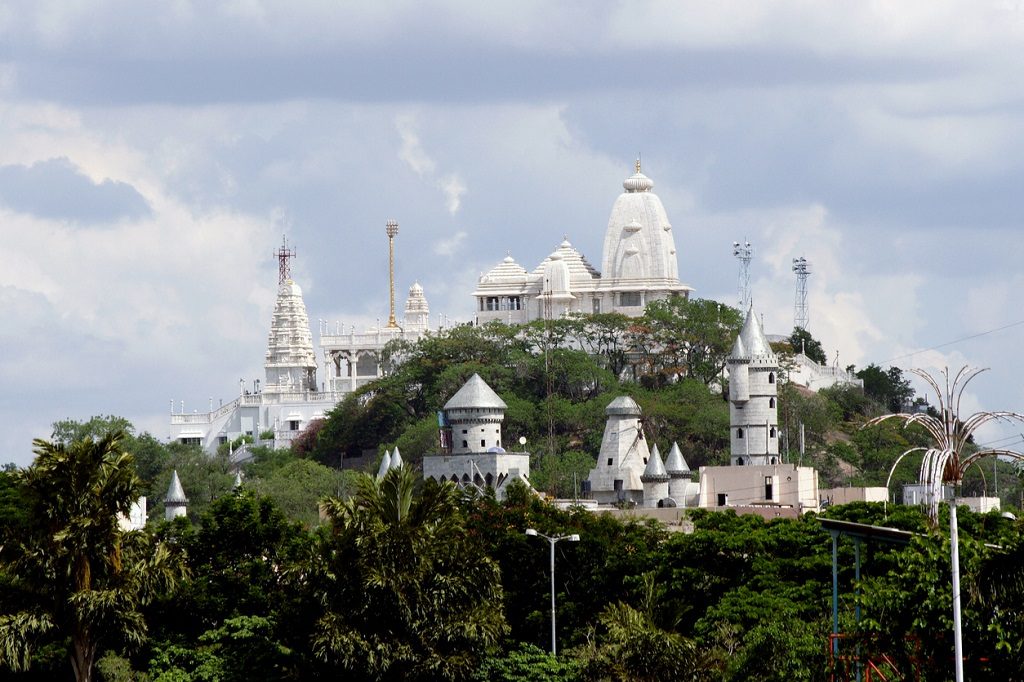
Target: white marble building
x,y
639,265
472,451
353,359
288,399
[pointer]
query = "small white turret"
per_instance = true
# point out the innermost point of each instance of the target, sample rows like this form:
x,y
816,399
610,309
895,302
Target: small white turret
x,y
175,503
475,414
655,479
396,458
417,312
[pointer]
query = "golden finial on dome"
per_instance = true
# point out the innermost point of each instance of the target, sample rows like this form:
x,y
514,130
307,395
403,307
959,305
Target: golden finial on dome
x,y
637,163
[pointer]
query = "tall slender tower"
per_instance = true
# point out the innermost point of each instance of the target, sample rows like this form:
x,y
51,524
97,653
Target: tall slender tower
x,y
802,268
744,252
391,228
753,392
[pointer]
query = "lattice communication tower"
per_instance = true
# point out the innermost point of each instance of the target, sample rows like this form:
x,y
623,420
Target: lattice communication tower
x,y
801,316
284,256
744,251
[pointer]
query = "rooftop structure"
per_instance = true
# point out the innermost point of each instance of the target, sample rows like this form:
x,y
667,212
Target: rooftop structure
x,y
639,266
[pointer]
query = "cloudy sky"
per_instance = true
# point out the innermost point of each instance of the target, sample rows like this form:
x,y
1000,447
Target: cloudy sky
x,y
152,154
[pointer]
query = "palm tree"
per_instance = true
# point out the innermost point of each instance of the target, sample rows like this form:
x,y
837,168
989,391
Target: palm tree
x,y
80,573
405,594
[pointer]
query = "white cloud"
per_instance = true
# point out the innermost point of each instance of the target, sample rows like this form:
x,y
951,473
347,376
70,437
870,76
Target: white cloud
x,y
415,156
450,246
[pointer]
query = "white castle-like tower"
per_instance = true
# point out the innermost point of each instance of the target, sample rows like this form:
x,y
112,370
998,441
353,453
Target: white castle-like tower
x,y
753,393
639,262
475,414
623,457
472,454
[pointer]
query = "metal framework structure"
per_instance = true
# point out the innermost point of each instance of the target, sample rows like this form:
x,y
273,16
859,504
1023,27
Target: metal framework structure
x,y
391,228
945,463
284,255
801,316
744,252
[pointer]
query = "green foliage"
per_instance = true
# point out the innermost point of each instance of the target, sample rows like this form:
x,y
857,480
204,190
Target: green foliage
x,y
801,341
406,593
111,667
560,475
888,387
629,646
528,663
73,570
298,486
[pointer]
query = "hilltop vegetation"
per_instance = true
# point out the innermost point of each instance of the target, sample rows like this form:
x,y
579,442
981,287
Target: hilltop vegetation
x,y
313,571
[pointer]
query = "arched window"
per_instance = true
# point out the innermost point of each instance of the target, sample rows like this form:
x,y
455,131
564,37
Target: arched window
x,y
771,432
771,402
739,433
739,462
366,365
465,444
773,460
771,377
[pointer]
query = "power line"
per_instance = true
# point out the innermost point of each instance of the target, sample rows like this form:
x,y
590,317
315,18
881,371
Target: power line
x,y
950,343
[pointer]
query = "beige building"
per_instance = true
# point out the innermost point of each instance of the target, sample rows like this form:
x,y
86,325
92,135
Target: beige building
x,y
778,485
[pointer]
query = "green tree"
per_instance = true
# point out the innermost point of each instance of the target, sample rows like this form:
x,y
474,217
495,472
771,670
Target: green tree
x,y
407,594
693,337
801,341
528,663
79,573
888,387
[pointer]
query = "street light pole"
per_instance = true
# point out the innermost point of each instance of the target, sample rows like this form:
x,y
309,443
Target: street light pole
x,y
552,540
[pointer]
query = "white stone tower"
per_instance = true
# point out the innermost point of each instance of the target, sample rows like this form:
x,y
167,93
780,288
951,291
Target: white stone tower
x,y
475,414
623,456
417,312
655,479
175,503
753,394
290,364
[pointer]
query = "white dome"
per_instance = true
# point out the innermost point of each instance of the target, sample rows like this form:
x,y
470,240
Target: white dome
x,y
638,242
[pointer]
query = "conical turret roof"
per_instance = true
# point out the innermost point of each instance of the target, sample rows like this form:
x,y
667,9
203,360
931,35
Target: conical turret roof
x,y
751,342
396,459
475,393
175,493
655,469
674,463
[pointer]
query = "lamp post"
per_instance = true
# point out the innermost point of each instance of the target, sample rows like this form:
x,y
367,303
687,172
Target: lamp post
x,y
391,229
552,540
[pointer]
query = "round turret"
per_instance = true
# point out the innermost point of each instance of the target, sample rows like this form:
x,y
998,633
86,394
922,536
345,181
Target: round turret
x,y
475,414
